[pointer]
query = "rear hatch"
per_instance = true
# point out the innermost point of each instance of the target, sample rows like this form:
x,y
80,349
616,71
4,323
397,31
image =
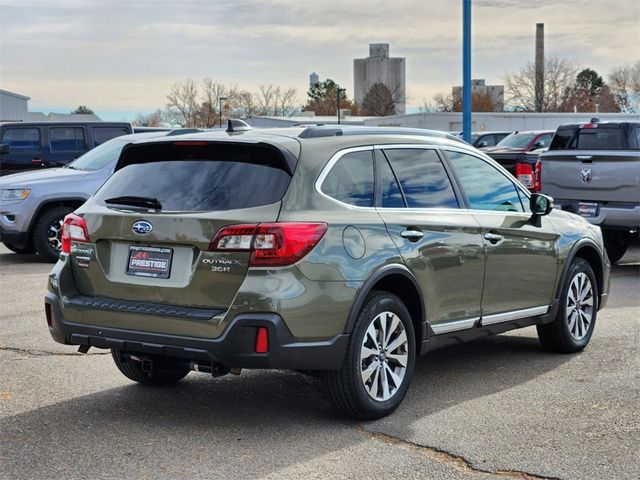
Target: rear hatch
x,y
594,163
153,222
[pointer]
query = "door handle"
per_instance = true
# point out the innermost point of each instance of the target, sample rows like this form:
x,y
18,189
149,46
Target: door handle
x,y
412,235
585,158
493,238
36,160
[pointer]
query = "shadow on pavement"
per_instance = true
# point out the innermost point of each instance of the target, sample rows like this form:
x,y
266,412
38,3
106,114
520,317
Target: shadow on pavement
x,y
228,422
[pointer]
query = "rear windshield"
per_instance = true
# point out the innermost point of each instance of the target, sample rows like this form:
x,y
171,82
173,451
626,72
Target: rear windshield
x,y
202,178
598,138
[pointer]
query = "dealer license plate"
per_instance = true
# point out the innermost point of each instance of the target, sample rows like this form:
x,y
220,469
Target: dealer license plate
x,y
587,209
151,262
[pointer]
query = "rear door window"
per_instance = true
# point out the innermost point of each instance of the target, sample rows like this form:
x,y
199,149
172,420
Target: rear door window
x,y
67,139
22,140
485,186
423,179
103,134
392,196
350,180
200,178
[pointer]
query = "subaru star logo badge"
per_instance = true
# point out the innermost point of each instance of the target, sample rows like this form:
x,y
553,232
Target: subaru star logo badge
x,y
142,227
585,175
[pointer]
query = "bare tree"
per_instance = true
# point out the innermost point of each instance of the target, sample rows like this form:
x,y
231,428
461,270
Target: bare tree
x,y
559,77
210,93
286,101
442,103
183,99
624,82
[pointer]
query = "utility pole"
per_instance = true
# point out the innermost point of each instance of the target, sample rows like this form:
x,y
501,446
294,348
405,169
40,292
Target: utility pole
x,y
539,88
340,92
466,70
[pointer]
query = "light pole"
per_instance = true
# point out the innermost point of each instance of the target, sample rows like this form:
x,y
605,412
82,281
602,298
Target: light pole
x,y
340,92
220,100
466,70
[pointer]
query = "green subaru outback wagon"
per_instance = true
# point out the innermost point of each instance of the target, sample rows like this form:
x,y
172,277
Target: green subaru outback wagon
x,y
347,251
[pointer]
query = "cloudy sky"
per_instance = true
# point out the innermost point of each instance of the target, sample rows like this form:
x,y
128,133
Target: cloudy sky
x,y
121,57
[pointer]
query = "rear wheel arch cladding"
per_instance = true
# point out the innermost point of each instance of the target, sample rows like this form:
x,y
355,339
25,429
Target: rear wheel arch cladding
x,y
396,279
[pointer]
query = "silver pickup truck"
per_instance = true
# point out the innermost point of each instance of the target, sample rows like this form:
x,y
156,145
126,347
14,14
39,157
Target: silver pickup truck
x,y
593,169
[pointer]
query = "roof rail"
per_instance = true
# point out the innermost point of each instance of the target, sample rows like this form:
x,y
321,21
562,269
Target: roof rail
x,y
337,131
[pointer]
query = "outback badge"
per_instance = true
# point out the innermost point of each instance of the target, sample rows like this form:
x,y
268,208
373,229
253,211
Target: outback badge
x,y
142,227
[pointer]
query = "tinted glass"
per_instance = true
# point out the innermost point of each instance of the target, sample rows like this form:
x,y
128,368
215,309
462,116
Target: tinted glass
x,y
422,177
22,140
600,139
102,134
351,179
486,141
562,138
485,186
391,194
100,156
67,139
199,185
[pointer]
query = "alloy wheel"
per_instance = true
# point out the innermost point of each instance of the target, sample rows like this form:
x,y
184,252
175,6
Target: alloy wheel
x,y
383,356
579,312
54,235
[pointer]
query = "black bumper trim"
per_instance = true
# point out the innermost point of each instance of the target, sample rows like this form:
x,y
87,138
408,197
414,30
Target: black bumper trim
x,y
234,348
109,304
16,239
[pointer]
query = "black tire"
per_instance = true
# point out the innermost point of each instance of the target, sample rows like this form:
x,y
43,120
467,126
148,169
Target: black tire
x,y
559,335
616,244
44,223
346,388
24,250
132,369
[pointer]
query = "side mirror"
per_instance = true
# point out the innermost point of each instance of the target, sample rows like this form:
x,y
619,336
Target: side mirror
x,y
538,145
5,149
540,204
482,144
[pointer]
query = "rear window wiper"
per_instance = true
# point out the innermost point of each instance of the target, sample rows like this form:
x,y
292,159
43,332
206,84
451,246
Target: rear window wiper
x,y
145,202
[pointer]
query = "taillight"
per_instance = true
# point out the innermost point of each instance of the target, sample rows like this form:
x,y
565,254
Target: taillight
x,y
524,174
262,340
537,180
270,244
74,229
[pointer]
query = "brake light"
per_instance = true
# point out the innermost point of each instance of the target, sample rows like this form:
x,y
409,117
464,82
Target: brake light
x,y
589,125
74,229
537,179
270,244
524,174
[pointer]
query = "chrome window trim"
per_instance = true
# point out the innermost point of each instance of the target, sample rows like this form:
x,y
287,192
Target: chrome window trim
x,y
513,315
454,326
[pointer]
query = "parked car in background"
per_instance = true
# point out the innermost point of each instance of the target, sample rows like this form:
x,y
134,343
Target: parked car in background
x,y
593,169
348,251
33,204
486,139
519,152
53,144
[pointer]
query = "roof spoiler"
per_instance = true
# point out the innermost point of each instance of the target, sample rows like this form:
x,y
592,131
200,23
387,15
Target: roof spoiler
x,y
237,125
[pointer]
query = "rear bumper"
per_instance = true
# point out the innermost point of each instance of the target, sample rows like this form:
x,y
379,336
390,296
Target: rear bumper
x,y
617,216
234,348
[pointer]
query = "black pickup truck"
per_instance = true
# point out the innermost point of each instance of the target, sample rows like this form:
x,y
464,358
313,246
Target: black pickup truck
x,y
53,144
518,153
593,169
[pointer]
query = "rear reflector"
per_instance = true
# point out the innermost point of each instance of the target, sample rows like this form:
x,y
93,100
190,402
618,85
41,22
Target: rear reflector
x,y
262,340
270,244
74,229
524,174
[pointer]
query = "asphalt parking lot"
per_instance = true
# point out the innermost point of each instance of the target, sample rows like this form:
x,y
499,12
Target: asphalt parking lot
x,y
497,408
